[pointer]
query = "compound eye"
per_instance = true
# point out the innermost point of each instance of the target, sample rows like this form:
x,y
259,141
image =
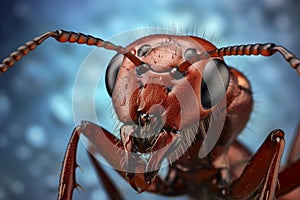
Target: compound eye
x,y
112,72
215,80
143,50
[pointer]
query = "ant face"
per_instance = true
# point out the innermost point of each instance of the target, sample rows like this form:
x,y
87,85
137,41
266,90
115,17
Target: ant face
x,y
157,88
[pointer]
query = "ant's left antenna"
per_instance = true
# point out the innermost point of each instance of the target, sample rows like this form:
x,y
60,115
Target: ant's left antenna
x,y
65,36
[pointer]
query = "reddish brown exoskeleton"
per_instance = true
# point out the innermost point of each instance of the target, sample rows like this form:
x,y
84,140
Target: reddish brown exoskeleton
x,y
167,91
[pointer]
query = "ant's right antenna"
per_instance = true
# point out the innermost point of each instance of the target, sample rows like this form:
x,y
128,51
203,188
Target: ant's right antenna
x,y
267,49
65,36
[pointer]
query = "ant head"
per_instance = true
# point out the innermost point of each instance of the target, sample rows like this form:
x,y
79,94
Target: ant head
x,y
177,79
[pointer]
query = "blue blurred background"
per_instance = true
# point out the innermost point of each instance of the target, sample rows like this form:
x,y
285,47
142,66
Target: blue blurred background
x,y
36,94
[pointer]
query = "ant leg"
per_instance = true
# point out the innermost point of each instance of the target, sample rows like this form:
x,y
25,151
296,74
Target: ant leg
x,y
67,182
112,150
288,179
260,175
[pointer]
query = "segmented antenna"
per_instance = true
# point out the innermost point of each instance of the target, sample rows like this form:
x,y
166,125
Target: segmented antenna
x,y
267,49
64,36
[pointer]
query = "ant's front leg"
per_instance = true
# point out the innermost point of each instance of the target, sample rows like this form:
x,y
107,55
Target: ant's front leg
x,y
100,140
259,178
67,182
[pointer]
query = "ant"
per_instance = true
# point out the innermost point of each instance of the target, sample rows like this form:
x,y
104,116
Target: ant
x,y
178,101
